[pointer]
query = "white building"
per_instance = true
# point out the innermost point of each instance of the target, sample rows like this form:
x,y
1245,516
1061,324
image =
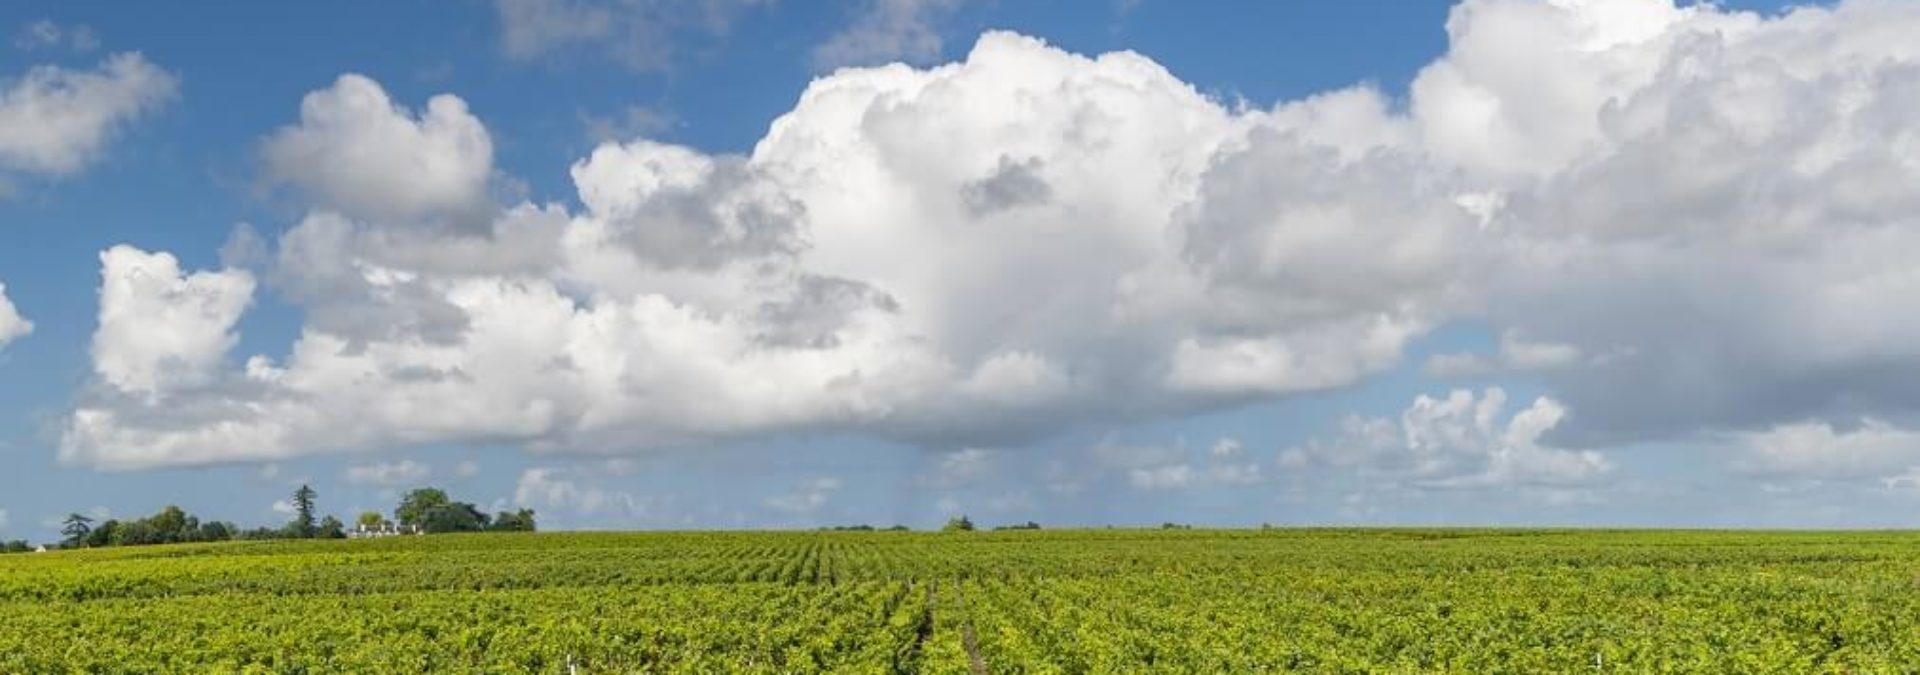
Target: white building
x,y
385,530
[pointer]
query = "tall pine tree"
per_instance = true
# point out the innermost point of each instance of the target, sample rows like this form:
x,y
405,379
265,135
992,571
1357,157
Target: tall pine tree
x,y
303,521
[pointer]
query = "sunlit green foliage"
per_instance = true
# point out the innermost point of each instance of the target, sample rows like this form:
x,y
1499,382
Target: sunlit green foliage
x,y
1204,601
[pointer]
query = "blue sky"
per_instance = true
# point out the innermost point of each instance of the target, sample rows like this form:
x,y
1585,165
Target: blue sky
x,y
1206,283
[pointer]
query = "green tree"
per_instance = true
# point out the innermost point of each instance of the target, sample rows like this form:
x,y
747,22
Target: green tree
x,y
17,546
372,520
303,523
136,533
77,529
454,517
331,528
107,534
168,526
215,531
261,533
513,521
415,506
958,524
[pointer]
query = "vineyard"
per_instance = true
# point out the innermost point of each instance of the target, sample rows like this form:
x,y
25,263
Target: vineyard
x,y
1338,601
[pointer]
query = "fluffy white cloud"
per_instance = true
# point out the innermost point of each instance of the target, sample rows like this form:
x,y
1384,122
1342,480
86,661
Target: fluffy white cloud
x,y
640,34
388,474
162,329
1457,442
887,30
851,273
358,152
12,325
1523,85
56,120
1710,200
679,208
1708,212
163,395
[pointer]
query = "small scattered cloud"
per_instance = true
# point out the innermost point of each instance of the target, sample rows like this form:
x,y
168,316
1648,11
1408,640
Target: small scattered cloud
x,y
1112,454
1456,442
886,31
1516,354
632,122
12,325
569,492
807,498
1015,501
643,35
388,474
1163,477
45,34
1223,464
1228,464
55,121
960,468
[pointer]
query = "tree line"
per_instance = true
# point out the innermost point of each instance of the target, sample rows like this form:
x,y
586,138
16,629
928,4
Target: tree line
x,y
960,523
422,511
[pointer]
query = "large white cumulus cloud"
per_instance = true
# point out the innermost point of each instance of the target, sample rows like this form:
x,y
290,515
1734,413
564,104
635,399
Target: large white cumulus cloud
x,y
1733,228
1704,216
991,249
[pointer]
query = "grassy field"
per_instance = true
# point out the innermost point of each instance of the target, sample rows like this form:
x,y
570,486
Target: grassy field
x,y
1469,601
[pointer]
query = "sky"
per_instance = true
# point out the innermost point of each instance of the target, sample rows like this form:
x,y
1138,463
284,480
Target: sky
x,y
672,264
